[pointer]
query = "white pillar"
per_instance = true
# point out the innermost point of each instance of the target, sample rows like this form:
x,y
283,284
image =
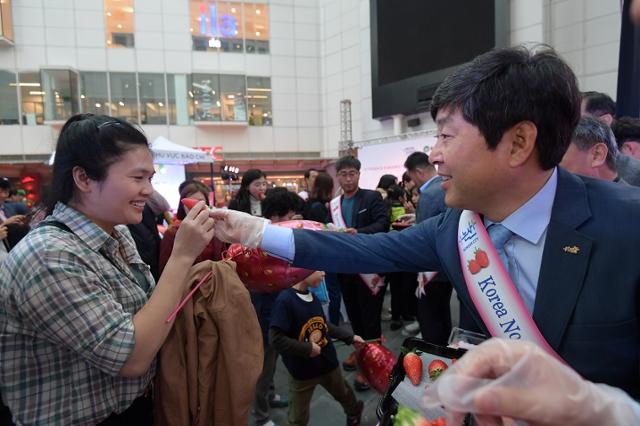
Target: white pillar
x,y
399,124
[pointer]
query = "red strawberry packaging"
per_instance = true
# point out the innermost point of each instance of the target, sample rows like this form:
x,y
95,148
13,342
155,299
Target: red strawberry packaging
x,y
375,362
263,273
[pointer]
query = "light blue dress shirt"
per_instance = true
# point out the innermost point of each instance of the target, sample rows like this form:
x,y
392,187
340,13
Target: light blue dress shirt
x,y
524,249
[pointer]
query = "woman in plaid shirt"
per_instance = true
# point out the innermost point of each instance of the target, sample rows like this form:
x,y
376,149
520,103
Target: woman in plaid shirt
x,y
81,318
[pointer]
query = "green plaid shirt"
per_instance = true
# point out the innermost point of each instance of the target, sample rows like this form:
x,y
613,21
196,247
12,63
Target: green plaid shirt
x,y
67,301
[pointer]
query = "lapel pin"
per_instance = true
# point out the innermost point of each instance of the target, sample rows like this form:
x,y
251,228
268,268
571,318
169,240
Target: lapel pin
x,y
572,249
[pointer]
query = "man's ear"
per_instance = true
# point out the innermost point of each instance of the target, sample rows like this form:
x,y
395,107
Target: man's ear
x,y
607,119
598,155
80,178
523,142
626,149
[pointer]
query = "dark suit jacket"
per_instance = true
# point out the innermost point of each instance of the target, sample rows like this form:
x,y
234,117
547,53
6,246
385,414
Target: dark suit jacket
x,y
369,215
628,169
587,303
431,201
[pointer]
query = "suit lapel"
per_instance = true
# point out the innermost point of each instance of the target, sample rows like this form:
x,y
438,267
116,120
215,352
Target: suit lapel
x,y
564,261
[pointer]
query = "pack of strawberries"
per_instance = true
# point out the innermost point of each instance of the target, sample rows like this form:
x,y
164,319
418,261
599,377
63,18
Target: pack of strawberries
x,y
419,366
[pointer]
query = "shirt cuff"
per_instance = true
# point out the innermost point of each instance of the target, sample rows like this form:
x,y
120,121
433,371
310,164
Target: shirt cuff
x,y
278,242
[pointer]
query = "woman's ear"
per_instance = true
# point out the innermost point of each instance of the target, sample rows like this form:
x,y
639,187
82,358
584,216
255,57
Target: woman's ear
x,y
82,181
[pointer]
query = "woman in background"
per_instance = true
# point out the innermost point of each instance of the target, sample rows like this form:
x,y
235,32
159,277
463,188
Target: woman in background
x,y
317,207
213,250
252,189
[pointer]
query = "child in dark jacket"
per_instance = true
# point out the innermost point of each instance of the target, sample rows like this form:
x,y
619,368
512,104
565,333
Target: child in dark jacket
x,y
300,333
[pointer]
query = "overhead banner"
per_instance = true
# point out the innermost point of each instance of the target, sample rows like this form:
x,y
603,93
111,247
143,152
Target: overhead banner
x,y
389,158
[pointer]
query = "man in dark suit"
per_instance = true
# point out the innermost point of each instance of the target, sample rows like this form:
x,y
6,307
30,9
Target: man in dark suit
x,y
434,312
504,122
363,212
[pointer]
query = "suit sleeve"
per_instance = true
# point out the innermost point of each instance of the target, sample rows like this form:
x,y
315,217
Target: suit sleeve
x,y
379,214
412,250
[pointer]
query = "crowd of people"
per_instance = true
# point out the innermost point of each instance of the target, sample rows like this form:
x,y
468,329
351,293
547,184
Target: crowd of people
x,y
541,176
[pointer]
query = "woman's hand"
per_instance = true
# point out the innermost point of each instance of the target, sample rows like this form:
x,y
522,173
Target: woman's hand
x,y
195,232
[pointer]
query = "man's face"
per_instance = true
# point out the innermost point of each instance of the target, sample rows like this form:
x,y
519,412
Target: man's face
x,y
417,176
473,175
348,178
577,161
631,148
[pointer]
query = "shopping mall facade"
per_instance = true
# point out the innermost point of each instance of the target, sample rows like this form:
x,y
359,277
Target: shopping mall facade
x,y
257,84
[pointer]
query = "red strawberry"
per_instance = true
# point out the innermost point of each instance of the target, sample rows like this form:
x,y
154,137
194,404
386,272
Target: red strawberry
x,y
413,367
436,368
474,266
440,421
482,258
189,202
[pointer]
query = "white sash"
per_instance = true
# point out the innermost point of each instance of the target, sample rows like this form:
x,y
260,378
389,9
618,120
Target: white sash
x,y
374,282
490,287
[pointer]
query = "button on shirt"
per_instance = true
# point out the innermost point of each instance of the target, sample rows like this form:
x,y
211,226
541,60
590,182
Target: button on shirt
x,y
524,249
66,322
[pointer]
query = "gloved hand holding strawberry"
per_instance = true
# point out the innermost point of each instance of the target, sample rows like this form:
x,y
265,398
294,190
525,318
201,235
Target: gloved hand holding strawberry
x,y
232,226
518,380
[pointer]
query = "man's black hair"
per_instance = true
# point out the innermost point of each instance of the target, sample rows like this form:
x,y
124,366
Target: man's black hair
x,y
626,129
348,161
417,159
503,87
598,103
279,201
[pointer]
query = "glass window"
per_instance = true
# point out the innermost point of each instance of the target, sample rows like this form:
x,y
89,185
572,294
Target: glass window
x,y
259,101
60,91
180,105
124,96
152,99
119,27
232,91
94,95
216,26
32,98
205,89
9,111
6,24
256,28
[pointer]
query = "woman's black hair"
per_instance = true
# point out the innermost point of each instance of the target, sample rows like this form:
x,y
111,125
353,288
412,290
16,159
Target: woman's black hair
x,y
394,193
242,200
386,181
94,143
322,188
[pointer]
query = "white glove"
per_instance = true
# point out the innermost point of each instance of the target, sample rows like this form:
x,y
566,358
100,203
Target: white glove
x,y
238,227
518,380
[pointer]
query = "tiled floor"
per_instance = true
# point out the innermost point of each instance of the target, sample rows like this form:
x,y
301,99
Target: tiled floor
x,y
324,409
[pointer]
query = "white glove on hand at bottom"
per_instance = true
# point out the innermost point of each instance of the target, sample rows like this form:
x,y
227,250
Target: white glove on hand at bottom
x,y
518,380
232,226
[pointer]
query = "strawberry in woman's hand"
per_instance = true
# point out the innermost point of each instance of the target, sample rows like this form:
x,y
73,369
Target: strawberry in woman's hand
x,y
189,202
413,367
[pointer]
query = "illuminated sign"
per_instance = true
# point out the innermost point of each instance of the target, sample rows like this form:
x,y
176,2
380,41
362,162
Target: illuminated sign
x,y
214,26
